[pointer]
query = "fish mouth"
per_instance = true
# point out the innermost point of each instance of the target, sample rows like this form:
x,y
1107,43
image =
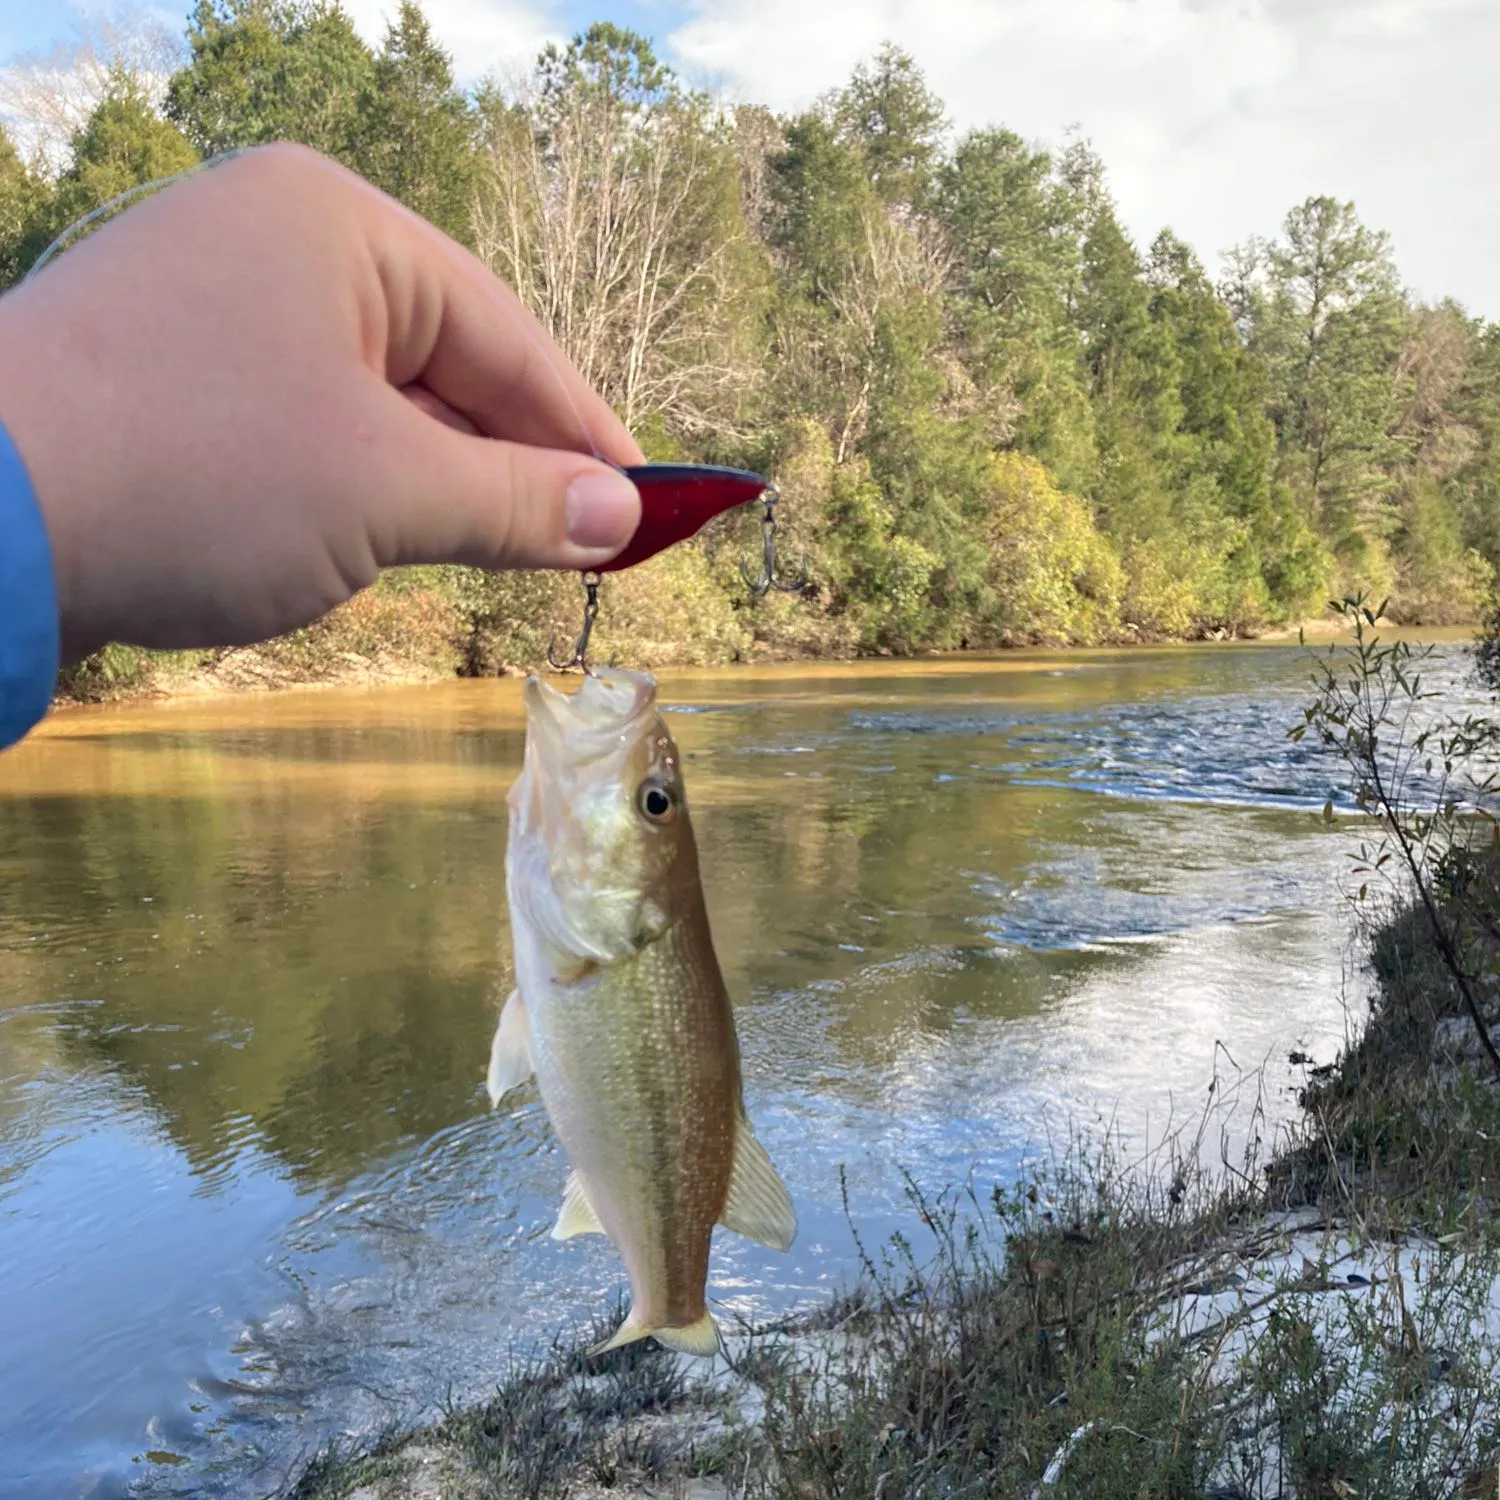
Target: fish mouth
x,y
608,708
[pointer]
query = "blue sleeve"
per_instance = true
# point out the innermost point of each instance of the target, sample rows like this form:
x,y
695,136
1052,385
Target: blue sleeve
x,y
28,602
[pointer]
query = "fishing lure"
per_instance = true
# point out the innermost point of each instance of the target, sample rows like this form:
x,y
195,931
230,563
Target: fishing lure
x,y
678,501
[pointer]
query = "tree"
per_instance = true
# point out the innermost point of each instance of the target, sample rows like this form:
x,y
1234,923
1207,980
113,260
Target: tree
x,y
1475,488
1225,444
49,96
1017,267
609,198
862,285
123,144
896,122
1330,328
820,198
260,70
1053,577
25,204
416,131
1133,376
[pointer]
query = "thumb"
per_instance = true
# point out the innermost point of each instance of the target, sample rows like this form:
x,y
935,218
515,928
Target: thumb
x,y
457,497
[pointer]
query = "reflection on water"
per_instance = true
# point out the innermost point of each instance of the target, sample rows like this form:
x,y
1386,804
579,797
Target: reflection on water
x,y
251,953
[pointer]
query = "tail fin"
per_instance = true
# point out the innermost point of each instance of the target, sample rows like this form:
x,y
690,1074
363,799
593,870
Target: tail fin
x,y
700,1337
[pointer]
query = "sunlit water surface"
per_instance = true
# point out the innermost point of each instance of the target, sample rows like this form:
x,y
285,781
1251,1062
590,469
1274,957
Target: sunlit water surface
x,y
251,953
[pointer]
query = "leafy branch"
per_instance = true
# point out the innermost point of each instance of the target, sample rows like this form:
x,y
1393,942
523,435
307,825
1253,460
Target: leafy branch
x,y
1428,780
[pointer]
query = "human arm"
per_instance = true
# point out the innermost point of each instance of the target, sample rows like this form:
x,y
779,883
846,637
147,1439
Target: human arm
x,y
28,602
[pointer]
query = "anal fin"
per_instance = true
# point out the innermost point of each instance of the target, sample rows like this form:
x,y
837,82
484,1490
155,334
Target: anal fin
x,y
759,1206
577,1214
510,1052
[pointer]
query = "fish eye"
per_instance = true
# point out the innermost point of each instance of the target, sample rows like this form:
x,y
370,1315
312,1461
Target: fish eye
x,y
656,801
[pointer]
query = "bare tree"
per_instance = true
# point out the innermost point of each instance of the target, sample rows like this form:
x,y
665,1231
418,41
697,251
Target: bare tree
x,y
1435,360
46,96
901,259
758,137
618,224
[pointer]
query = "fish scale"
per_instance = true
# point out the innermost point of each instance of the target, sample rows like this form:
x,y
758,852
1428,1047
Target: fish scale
x,y
647,1113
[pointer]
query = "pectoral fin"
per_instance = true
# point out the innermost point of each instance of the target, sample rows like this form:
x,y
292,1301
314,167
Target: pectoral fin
x,y
537,906
701,1337
759,1206
577,1215
510,1052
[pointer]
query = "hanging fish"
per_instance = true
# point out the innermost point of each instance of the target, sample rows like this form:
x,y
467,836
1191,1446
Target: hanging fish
x,y
620,1009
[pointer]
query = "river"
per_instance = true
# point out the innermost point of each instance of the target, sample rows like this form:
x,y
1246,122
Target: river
x,y
251,953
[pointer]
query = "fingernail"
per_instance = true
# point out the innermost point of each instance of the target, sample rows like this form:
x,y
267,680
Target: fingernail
x,y
603,510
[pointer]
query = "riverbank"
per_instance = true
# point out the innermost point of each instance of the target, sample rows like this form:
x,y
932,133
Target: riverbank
x,y
430,625
1320,1321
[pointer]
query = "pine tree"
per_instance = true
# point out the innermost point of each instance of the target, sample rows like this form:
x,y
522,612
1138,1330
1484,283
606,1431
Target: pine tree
x,y
25,213
1331,329
1475,488
896,123
1133,380
1225,444
1018,265
123,144
416,131
265,71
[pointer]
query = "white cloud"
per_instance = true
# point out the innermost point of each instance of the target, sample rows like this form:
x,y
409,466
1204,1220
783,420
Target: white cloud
x,y
483,36
1213,116
46,95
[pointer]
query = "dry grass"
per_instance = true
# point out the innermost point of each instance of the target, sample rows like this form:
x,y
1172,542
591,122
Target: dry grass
x,y
1112,1328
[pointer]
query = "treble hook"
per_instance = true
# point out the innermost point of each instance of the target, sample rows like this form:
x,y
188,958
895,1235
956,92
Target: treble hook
x,y
768,579
579,657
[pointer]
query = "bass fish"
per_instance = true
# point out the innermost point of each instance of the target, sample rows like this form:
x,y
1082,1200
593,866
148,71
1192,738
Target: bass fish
x,y
620,1009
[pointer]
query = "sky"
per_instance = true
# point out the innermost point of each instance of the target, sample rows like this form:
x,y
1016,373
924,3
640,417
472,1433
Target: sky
x,y
1212,117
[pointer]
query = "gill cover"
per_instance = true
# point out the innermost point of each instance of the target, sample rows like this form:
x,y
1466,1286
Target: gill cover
x,y
585,865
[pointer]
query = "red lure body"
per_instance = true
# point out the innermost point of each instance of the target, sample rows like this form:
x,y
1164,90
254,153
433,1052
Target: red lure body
x,y
677,501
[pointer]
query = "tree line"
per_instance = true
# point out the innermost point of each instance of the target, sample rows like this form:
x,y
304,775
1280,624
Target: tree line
x,y
995,418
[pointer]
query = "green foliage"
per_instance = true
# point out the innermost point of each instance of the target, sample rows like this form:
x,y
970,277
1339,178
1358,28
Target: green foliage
x,y
1053,577
415,129
123,144
995,417
114,672
1330,327
267,70
1008,218
896,123
821,196
1442,582
25,211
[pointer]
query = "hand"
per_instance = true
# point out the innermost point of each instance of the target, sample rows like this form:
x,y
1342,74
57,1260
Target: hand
x,y
247,395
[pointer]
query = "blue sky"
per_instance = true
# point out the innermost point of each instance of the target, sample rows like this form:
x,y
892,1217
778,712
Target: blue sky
x,y
34,25
1212,116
